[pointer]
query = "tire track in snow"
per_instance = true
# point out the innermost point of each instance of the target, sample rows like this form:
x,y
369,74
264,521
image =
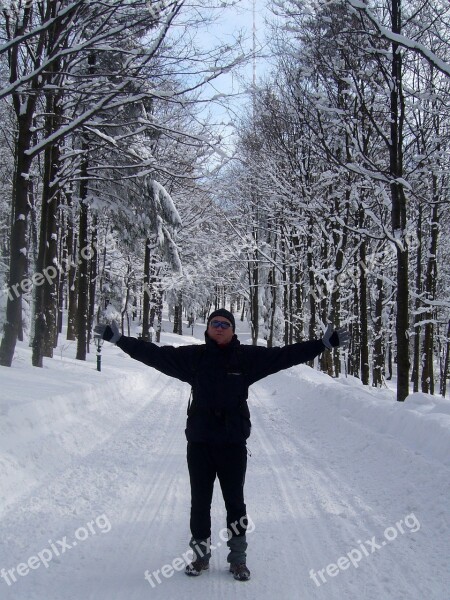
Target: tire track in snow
x,y
318,515
295,528
130,477
307,513
154,502
158,526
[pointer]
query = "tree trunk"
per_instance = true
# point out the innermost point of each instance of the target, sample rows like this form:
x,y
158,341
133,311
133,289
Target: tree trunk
x,y
390,357
62,280
291,304
273,289
159,308
299,316
430,293
363,307
24,105
124,311
285,284
178,315
340,242
398,214
147,292
326,359
18,257
83,268
71,269
445,369
33,253
93,273
253,268
417,316
47,293
378,352
312,290
354,355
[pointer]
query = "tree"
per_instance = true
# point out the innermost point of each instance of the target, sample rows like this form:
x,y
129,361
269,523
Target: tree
x,y
90,60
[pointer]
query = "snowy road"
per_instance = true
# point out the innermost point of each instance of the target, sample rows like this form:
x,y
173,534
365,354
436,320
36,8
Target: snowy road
x,y
327,490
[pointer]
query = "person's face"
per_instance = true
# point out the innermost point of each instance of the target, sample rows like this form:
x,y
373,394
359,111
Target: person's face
x,y
221,336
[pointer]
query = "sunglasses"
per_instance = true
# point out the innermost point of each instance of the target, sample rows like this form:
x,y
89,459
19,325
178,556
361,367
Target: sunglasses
x,y
222,324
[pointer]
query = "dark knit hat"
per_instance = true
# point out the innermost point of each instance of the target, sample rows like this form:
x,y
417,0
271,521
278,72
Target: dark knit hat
x,y
223,312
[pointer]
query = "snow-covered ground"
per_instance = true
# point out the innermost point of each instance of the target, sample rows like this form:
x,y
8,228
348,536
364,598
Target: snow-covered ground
x,y
347,490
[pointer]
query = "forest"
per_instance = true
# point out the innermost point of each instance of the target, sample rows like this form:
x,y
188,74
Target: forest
x,y
121,191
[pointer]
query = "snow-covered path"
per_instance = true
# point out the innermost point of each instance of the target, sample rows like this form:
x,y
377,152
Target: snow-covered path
x,y
336,483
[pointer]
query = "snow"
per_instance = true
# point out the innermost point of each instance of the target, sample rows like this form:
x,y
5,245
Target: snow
x,y
402,40
107,138
347,489
165,204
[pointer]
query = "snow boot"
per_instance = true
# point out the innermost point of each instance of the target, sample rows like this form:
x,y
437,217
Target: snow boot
x,y
195,568
240,571
237,545
200,561
237,557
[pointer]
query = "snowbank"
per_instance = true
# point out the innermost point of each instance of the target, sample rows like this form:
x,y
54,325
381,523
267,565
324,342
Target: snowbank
x,y
421,423
334,463
52,415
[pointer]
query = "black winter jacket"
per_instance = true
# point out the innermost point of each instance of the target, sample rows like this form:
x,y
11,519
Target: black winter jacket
x,y
220,378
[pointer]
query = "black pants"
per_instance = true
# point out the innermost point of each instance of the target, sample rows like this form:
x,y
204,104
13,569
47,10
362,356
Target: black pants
x,y
229,464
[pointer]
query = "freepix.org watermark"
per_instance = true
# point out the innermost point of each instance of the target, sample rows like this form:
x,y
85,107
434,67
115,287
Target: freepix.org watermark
x,y
56,549
49,274
352,558
178,563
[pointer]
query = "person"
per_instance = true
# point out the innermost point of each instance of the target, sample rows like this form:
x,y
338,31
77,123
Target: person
x,y
220,372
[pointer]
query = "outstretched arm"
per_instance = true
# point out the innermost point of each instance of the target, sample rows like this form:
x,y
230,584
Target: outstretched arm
x,y
175,362
266,361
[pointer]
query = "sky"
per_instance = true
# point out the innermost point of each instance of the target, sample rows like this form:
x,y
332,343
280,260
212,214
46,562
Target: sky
x,y
232,21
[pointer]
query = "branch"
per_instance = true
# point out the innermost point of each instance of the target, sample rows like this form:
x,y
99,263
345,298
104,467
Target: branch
x,y
401,40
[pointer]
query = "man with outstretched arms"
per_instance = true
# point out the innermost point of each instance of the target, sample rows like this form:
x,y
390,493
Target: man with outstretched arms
x,y
220,373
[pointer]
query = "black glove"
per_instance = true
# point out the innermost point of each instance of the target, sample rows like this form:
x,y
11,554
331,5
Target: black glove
x,y
335,337
110,333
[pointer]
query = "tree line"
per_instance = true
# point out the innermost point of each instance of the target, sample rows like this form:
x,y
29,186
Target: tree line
x,y
331,208
342,188
101,108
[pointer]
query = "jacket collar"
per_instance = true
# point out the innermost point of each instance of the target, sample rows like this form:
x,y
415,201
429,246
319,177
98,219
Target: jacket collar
x,y
234,343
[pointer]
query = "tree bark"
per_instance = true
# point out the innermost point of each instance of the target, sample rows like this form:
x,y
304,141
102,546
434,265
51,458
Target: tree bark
x,y
71,269
273,307
398,213
46,295
312,290
430,292
445,369
83,268
159,308
378,352
147,292
253,269
365,367
417,316
93,273
18,258
20,207
178,315
354,355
